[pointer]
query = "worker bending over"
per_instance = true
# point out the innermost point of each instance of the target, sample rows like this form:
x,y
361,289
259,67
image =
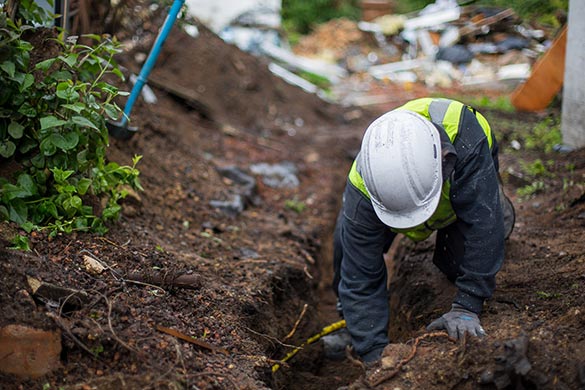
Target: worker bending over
x,y
429,165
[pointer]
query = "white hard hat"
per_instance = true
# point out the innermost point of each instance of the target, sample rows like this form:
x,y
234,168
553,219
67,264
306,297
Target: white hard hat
x,y
400,162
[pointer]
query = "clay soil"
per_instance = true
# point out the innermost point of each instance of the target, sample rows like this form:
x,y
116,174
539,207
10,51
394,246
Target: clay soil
x,y
251,285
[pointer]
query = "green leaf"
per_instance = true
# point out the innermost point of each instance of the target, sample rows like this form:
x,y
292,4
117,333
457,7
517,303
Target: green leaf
x,y
18,212
48,147
26,145
82,157
45,65
83,122
19,78
77,107
38,161
62,75
49,208
28,226
26,182
72,204
118,73
12,192
16,130
112,111
4,216
72,139
27,110
51,121
61,175
8,67
70,59
83,186
81,224
27,82
66,92
111,212
67,142
20,243
7,148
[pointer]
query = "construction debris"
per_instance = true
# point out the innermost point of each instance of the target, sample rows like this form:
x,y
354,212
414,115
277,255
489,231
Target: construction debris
x,y
444,45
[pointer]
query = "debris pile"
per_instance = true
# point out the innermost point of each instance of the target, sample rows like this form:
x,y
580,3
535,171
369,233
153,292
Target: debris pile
x,y
444,45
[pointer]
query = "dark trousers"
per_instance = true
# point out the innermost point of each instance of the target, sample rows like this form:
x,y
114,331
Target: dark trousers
x,y
449,250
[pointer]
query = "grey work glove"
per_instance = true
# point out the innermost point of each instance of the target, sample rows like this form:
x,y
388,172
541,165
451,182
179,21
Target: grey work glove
x,y
457,322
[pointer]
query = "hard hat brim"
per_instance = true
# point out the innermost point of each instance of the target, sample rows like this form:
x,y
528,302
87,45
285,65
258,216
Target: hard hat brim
x,y
406,220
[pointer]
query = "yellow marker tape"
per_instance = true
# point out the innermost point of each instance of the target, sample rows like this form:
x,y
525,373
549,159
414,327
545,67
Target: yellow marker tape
x,y
326,330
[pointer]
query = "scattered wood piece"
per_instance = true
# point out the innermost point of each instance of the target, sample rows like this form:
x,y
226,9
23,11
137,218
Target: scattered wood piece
x,y
48,292
294,329
189,339
187,281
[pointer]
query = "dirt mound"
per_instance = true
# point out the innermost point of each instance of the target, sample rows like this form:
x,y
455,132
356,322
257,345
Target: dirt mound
x,y
233,87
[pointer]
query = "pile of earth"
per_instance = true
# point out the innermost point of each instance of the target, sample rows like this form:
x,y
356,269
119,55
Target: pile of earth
x,y
238,284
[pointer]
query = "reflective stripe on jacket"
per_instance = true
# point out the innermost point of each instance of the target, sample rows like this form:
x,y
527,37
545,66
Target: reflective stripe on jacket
x,y
447,114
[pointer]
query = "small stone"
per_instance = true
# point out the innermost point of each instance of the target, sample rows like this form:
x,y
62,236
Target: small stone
x,y
93,266
515,145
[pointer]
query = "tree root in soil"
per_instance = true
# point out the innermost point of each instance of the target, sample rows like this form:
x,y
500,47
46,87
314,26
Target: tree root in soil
x,y
382,374
184,337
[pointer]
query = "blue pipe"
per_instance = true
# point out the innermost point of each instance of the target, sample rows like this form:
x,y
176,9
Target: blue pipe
x,y
151,60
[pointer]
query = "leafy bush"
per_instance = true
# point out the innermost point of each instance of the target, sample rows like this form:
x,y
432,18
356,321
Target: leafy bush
x,y
53,129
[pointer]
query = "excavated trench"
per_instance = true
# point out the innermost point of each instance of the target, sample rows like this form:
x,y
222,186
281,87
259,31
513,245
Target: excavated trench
x,y
418,292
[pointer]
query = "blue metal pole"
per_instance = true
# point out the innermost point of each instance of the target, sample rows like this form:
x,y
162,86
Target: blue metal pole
x,y
150,61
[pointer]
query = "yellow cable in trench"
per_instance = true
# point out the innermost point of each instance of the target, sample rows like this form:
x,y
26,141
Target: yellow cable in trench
x,y
326,330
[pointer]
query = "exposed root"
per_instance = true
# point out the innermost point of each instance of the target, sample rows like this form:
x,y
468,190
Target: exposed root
x,y
294,329
385,374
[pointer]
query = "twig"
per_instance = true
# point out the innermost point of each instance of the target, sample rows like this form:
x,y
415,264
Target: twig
x,y
307,255
390,374
61,324
294,329
145,284
270,338
184,337
122,343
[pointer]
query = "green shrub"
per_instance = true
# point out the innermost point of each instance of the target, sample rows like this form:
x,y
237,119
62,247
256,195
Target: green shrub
x,y
53,129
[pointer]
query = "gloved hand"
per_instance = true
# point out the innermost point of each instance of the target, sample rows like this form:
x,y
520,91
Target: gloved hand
x,y
457,322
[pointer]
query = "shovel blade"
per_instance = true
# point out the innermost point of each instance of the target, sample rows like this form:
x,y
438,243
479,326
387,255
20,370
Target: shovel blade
x,y
120,130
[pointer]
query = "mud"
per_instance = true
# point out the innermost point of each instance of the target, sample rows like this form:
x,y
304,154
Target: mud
x,y
257,270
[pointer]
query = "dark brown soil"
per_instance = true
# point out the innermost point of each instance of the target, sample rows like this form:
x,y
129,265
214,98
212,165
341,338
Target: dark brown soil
x,y
252,274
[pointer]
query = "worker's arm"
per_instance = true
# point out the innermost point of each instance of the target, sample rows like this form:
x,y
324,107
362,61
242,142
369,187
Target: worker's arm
x,y
475,200
362,289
